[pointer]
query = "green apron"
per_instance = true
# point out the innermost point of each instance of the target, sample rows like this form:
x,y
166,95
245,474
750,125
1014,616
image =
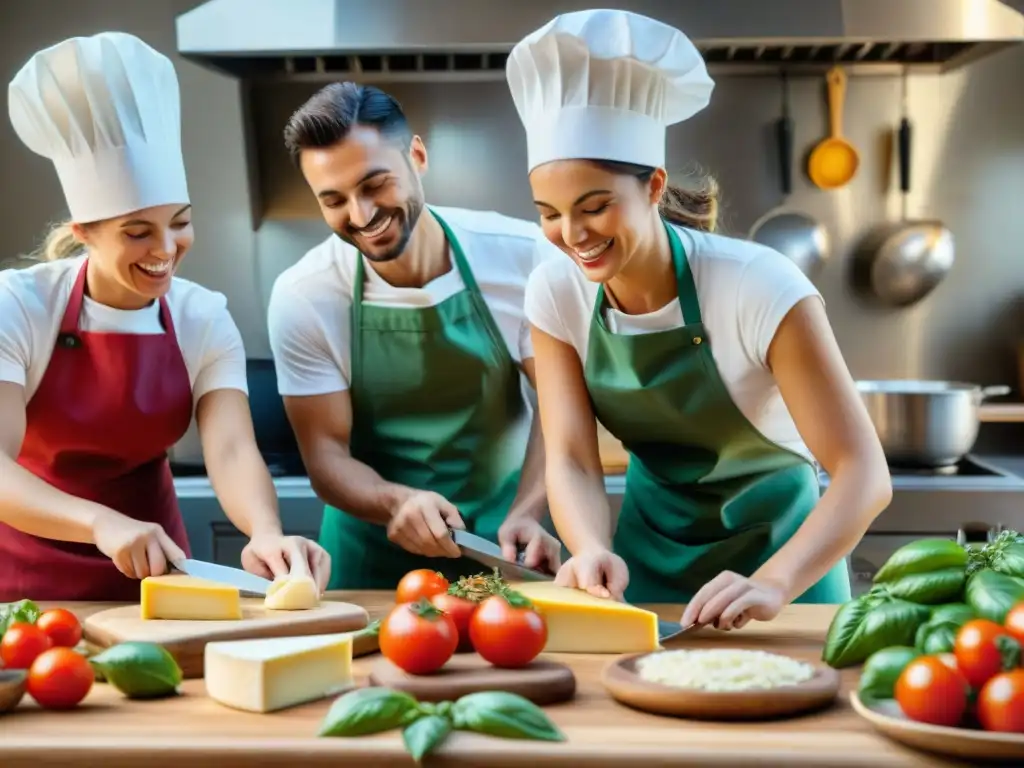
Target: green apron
x,y
705,490
435,400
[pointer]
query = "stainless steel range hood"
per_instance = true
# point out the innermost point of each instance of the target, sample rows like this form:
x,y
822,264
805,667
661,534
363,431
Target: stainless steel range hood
x,y
469,39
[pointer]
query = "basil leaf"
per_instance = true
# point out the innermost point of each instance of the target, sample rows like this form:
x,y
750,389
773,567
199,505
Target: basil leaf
x,y
862,627
139,670
1009,652
368,710
936,638
500,713
1009,560
931,587
882,670
422,736
992,594
922,556
23,611
955,613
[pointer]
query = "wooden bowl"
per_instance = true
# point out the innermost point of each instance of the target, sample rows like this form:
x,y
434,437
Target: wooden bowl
x,y
968,743
624,683
12,688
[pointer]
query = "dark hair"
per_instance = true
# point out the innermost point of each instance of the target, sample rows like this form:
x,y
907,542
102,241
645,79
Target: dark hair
x,y
692,208
333,111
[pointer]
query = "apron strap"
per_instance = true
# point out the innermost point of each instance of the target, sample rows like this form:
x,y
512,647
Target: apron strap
x,y
73,310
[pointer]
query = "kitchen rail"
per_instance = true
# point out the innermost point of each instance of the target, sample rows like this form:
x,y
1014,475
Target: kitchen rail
x,y
192,730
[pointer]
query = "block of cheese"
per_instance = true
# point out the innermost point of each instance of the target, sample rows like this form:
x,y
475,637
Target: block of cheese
x,y
292,593
579,622
274,673
176,596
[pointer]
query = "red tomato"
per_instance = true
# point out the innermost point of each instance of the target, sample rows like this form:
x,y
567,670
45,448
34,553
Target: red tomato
x,y
930,691
1001,702
60,678
1014,622
507,632
420,583
21,644
62,626
984,649
418,637
460,611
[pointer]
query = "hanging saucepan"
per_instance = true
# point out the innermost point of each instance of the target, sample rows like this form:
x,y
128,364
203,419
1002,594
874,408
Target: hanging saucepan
x,y
792,233
915,256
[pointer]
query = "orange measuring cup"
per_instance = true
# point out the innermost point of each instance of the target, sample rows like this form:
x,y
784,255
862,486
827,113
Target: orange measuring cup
x,y
834,160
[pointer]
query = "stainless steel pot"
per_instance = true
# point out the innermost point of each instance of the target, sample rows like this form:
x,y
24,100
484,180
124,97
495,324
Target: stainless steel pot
x,y
926,424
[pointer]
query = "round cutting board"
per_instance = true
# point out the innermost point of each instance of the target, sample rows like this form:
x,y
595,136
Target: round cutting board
x,y
541,681
623,682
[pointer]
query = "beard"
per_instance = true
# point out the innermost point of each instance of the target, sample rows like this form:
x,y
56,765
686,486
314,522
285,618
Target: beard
x,y
405,221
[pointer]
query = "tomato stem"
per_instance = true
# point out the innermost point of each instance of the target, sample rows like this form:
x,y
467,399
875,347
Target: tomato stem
x,y
1009,652
426,609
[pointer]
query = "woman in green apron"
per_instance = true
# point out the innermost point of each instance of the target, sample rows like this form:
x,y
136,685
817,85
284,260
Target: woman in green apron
x,y
710,358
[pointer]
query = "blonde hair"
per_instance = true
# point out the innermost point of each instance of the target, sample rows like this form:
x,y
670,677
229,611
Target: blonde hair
x,y
60,243
694,208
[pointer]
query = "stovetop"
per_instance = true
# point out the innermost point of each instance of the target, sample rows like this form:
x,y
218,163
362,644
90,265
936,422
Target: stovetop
x,y
970,474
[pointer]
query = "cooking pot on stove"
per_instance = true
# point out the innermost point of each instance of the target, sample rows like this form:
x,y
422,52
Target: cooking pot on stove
x,y
925,424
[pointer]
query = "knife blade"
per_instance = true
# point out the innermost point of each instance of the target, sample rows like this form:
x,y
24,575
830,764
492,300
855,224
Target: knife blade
x,y
669,630
236,577
488,553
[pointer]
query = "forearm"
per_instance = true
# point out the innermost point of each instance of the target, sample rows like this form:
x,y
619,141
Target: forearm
x,y
854,498
579,505
532,499
244,488
354,487
33,506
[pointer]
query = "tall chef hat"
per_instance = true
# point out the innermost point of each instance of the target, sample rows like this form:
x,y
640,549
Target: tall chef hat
x,y
605,85
105,110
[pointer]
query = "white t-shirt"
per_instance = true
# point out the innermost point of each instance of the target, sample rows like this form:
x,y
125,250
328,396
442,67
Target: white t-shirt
x,y
744,289
309,315
32,304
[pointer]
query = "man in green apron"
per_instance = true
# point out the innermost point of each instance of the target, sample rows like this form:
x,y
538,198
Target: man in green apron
x,y
718,512
403,356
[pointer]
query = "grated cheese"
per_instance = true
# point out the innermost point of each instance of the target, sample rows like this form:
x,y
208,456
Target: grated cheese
x,y
723,670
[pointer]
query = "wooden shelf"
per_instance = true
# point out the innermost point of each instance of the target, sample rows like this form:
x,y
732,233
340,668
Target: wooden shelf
x,y
1003,412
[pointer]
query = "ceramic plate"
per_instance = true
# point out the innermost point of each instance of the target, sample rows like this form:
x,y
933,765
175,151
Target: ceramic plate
x,y
625,685
969,743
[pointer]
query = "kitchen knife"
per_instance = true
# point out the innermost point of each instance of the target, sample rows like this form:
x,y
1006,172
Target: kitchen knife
x,y
236,577
488,553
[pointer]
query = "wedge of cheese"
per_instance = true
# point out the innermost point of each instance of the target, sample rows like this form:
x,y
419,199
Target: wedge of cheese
x,y
292,593
578,622
176,596
274,673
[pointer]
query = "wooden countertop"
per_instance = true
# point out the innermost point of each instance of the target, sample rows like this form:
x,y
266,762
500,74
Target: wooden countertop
x,y
191,730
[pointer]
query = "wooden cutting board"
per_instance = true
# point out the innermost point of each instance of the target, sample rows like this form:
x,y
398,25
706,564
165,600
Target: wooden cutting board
x,y
542,681
186,640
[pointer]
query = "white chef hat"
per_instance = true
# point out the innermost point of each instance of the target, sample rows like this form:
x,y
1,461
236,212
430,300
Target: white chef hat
x,y
105,110
605,85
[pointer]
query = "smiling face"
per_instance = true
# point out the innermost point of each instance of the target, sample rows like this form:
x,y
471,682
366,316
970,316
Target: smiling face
x,y
132,258
598,216
369,189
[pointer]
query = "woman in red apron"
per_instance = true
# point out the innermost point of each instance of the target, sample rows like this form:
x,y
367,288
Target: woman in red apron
x,y
96,382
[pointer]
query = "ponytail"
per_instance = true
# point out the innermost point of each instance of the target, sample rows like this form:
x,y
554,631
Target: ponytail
x,y
60,243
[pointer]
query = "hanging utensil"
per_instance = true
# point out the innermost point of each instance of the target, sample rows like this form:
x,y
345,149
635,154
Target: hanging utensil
x,y
915,257
834,161
796,235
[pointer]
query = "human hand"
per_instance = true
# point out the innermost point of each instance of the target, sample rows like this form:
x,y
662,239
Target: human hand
x,y
137,548
274,555
729,601
541,550
421,525
600,572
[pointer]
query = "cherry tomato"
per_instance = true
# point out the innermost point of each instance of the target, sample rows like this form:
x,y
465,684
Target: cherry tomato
x,y
1014,622
418,637
984,649
420,583
62,626
1001,702
460,610
507,631
21,644
930,691
60,678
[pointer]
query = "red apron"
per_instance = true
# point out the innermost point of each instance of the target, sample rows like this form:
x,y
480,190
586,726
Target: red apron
x,y
108,408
